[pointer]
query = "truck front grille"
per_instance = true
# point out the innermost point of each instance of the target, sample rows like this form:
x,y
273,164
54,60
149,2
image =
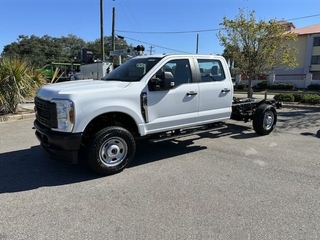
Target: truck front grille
x,y
46,113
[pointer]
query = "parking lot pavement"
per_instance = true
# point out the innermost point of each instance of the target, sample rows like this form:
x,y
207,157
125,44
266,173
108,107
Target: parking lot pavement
x,y
228,184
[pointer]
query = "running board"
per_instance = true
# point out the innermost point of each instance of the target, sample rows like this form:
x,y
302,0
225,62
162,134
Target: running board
x,y
186,132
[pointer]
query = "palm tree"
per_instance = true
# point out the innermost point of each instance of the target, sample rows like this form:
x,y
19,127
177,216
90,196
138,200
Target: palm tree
x,y
18,81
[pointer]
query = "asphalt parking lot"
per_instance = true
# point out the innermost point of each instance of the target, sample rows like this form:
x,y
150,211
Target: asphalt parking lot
x,y
224,184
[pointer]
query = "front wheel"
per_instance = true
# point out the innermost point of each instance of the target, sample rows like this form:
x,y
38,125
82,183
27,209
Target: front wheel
x,y
264,119
110,150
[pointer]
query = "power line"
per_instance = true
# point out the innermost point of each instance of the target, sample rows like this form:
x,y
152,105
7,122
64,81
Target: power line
x,y
205,30
315,15
177,32
154,45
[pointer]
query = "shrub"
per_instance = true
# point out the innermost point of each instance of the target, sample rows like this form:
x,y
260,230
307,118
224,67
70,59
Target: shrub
x,y
285,86
240,86
310,99
314,87
262,85
285,97
17,82
297,97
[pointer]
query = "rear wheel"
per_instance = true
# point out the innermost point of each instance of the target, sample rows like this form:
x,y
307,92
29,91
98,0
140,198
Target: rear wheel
x,y
264,119
110,150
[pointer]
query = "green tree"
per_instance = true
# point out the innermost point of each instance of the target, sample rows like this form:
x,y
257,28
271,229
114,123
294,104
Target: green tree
x,y
258,47
46,49
38,50
18,81
96,46
70,46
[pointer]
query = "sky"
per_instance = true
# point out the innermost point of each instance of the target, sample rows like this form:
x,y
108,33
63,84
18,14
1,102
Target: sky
x,y
161,26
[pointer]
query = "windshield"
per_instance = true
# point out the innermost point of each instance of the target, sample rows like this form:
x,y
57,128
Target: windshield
x,y
132,70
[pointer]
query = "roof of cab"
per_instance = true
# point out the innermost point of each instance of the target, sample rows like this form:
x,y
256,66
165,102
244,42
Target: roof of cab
x,y
179,55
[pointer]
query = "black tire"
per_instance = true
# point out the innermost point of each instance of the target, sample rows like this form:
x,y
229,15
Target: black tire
x,y
264,119
110,150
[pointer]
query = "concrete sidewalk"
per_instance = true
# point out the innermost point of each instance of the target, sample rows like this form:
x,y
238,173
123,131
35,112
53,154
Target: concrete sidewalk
x,y
25,111
255,95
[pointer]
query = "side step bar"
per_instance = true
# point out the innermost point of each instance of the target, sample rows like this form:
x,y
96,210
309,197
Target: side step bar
x,y
186,132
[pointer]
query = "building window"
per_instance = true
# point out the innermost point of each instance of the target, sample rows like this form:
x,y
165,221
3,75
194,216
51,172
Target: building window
x,y
315,59
316,41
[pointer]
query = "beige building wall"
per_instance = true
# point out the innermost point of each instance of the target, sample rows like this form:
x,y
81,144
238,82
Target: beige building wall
x,y
300,44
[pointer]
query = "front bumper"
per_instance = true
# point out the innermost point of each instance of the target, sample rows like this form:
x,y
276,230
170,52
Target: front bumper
x,y
59,145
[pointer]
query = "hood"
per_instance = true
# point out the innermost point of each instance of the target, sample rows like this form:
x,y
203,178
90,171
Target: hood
x,y
79,87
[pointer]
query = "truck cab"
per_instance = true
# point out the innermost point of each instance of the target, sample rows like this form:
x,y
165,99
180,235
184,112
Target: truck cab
x,y
183,91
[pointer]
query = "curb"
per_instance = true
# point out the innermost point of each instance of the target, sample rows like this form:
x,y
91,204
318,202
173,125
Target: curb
x,y
301,106
16,117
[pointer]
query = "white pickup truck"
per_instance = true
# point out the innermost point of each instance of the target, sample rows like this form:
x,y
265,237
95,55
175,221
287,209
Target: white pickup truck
x,y
159,97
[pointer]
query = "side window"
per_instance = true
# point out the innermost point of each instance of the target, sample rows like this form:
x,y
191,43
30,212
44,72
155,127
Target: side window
x,y
178,69
181,71
211,70
168,67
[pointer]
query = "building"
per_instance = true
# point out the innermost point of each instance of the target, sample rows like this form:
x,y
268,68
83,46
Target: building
x,y
308,45
308,57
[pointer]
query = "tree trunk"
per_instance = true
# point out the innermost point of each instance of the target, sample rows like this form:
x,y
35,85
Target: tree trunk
x,y
250,92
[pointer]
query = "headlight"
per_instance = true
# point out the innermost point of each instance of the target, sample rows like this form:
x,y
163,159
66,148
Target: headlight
x,y
65,115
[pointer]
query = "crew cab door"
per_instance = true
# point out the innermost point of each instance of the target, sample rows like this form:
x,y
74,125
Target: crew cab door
x,y
216,89
174,105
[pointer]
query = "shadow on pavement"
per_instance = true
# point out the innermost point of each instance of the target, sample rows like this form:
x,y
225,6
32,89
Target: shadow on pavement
x,y
151,152
297,119
311,134
30,169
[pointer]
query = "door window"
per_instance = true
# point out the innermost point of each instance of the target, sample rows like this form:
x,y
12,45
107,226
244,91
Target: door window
x,y
211,70
180,70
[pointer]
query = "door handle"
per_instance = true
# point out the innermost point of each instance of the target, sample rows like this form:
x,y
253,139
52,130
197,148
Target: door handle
x,y
191,93
225,90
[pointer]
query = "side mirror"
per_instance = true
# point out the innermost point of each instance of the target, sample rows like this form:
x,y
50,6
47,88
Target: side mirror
x,y
164,82
168,80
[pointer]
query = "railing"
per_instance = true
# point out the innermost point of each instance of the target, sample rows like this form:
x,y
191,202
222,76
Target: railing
x,y
299,80
293,77
316,76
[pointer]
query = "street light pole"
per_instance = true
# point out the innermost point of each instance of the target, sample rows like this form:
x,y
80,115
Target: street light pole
x,y
101,30
197,44
113,25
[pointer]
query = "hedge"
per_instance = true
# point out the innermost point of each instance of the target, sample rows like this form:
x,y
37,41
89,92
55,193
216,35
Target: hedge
x,y
263,85
314,87
285,97
298,97
284,86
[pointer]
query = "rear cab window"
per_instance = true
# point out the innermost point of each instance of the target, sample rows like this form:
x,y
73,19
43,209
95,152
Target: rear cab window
x,y
211,70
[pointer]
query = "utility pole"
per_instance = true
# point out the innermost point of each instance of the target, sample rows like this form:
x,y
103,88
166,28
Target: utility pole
x,y
113,44
101,30
197,46
151,49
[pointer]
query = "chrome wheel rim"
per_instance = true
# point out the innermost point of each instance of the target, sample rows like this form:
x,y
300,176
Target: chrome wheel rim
x,y
113,151
268,120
